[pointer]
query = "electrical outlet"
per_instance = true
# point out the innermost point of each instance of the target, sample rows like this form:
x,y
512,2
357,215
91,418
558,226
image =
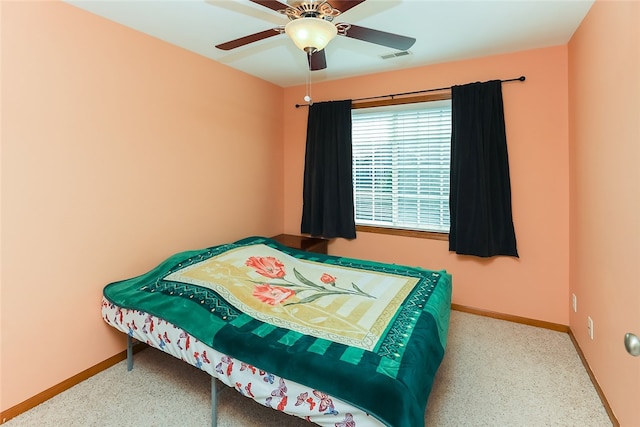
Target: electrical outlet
x,y
590,326
574,303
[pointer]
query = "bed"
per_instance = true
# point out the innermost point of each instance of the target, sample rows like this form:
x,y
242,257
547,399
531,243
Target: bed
x,y
336,341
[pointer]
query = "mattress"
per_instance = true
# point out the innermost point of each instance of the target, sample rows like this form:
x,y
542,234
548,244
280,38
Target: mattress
x,y
264,387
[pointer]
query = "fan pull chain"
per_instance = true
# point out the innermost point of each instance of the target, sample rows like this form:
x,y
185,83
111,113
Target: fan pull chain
x,y
307,97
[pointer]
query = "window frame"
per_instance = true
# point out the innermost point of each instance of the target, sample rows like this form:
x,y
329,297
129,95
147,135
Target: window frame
x,y
440,96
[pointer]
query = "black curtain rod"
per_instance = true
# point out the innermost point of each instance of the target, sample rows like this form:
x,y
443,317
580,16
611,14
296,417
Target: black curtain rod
x,y
521,79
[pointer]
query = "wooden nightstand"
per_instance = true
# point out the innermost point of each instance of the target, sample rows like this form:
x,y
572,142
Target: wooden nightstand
x,y
304,243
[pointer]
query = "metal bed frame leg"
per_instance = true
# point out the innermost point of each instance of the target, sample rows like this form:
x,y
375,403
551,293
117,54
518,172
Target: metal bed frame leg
x,y
214,391
129,352
214,403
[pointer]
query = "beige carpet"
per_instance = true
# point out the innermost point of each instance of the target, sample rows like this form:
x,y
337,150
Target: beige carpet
x,y
494,373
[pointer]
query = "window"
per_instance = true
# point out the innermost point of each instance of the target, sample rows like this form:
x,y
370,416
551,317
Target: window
x,y
401,160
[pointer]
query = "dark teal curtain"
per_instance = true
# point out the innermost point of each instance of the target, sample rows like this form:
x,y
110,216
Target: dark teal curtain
x,y
327,209
480,193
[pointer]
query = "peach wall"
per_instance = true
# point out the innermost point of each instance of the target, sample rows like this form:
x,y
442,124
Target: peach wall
x,y
1,210
534,286
100,124
604,70
117,151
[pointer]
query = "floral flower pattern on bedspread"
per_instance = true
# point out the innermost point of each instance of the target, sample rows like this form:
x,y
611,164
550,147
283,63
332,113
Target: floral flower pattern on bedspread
x,y
272,295
338,303
252,382
279,292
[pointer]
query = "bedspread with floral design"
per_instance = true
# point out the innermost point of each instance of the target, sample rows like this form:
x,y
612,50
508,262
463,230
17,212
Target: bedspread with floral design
x,y
370,334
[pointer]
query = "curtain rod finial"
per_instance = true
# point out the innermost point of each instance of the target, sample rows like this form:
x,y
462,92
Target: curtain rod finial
x,y
522,78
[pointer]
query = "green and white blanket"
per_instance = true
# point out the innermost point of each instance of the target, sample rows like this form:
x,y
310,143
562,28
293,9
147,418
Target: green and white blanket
x,y
371,334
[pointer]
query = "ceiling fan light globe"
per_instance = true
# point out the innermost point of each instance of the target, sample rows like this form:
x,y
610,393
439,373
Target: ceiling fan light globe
x,y
310,34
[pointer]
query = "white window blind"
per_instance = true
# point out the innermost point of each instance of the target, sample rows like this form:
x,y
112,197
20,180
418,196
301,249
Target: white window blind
x,y
401,160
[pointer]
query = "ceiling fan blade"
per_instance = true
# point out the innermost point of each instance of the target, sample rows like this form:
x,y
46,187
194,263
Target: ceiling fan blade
x,y
345,5
248,39
391,40
317,60
271,4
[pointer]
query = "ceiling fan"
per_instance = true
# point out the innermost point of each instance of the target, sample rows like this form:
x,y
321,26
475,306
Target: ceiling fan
x,y
311,28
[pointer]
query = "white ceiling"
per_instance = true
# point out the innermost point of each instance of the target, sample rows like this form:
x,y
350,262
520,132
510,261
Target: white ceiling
x,y
446,30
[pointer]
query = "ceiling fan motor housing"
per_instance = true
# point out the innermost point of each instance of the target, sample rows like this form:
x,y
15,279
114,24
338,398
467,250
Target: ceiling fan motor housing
x,y
320,9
